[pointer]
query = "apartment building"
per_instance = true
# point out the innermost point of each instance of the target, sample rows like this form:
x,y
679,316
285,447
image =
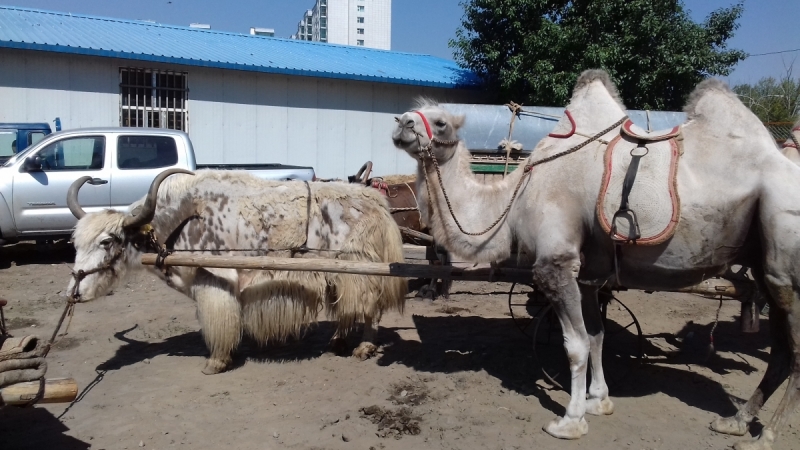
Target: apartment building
x,y
362,23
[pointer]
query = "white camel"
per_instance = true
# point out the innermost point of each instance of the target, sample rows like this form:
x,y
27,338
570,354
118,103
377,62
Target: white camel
x,y
739,203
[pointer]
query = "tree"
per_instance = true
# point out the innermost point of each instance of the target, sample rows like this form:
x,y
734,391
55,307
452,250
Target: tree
x,y
773,100
532,51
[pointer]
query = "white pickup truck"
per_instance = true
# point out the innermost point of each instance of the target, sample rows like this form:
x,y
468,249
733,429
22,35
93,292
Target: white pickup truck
x,y
122,163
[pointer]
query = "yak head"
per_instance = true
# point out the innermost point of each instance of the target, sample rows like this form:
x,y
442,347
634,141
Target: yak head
x,y
109,243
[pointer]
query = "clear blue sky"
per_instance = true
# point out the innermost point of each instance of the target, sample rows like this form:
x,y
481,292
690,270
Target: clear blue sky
x,y
425,26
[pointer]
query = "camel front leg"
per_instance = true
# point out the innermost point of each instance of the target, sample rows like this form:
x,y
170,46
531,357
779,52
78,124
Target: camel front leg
x,y
557,278
597,401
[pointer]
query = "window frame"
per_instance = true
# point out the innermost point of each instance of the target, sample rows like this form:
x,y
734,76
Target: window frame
x,y
61,142
119,157
161,105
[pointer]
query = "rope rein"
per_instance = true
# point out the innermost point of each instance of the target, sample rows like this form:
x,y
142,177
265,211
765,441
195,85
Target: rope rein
x,y
526,171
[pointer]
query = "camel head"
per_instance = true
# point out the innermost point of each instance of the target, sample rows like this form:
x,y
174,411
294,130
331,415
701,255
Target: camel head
x,y
109,243
428,127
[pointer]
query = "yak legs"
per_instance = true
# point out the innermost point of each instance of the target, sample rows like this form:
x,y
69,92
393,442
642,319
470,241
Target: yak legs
x,y
219,314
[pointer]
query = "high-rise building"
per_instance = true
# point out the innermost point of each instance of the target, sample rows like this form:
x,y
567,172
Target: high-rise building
x,y
364,23
304,27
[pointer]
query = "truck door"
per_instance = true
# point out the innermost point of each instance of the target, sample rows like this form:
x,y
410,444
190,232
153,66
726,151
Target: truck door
x,y
40,194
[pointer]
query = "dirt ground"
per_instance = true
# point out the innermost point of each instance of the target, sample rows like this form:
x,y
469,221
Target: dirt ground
x,y
454,374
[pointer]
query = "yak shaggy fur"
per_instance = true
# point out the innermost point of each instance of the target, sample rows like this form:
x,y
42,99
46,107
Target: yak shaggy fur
x,y
235,213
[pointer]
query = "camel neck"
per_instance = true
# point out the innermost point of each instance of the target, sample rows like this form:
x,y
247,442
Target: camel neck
x,y
473,204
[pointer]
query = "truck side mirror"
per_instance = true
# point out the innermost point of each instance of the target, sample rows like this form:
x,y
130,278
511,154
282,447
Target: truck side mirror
x,y
33,164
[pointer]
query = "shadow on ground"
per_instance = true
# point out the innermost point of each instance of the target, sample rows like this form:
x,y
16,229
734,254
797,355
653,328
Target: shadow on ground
x,y
470,343
34,429
25,253
312,345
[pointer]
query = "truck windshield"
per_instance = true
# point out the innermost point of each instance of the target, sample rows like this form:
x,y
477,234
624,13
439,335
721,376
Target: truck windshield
x,y
16,157
8,143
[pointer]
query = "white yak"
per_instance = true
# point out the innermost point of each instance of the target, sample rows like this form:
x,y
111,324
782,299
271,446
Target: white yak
x,y
235,213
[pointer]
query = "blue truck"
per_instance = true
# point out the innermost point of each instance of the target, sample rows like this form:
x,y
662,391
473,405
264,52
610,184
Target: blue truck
x,y
16,137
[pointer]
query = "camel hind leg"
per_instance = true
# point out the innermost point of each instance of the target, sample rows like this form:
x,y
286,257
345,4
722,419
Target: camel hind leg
x,y
781,274
777,369
219,314
784,361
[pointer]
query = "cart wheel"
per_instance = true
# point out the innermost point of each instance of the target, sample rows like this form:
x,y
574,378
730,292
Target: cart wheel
x,y
622,345
524,307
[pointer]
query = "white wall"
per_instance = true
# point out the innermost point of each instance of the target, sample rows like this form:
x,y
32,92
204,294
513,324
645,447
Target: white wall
x,y
38,87
234,116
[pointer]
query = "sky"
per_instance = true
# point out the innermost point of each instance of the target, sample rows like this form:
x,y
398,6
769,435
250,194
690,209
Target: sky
x,y
426,26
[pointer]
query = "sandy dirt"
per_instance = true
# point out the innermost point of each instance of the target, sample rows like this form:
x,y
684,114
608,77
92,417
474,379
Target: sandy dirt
x,y
454,374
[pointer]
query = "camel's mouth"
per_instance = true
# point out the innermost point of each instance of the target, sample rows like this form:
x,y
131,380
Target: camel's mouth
x,y
403,138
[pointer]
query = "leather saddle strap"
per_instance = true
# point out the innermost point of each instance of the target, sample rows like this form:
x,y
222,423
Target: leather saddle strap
x,y
627,184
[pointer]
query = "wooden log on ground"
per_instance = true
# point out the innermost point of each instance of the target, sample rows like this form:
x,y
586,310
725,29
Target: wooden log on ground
x,y
56,390
340,266
719,286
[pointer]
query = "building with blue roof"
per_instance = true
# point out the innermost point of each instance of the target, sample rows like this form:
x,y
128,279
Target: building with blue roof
x,y
242,98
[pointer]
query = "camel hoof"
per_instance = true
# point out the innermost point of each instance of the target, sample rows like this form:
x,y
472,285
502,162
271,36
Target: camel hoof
x,y
338,346
764,442
599,407
729,425
215,366
564,428
365,351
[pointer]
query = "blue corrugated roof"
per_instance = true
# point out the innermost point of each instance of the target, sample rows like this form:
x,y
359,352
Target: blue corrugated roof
x,y
33,29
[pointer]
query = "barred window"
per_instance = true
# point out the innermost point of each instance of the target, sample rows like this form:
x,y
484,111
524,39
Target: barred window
x,y
153,98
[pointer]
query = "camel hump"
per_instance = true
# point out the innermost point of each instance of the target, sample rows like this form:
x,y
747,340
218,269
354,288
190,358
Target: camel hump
x,y
589,76
708,95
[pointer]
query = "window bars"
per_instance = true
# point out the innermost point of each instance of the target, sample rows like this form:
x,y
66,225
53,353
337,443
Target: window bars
x,y
153,98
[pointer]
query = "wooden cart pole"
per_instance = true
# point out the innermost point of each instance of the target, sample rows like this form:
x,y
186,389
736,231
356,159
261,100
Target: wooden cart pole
x,y
403,270
713,287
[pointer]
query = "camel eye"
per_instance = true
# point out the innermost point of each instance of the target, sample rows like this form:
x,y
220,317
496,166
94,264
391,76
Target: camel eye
x,y
440,123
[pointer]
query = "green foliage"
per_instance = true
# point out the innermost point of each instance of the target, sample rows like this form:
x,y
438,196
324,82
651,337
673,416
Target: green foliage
x,y
772,100
532,51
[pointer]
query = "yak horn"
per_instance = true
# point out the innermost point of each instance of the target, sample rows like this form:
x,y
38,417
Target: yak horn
x,y
149,207
72,197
